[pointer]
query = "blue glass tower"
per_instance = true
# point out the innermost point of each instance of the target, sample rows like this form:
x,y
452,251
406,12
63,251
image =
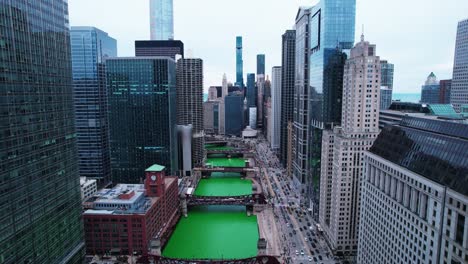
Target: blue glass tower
x,y
142,115
261,64
239,63
324,32
251,99
233,114
161,19
89,47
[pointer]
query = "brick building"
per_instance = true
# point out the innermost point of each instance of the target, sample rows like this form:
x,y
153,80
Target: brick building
x,y
126,219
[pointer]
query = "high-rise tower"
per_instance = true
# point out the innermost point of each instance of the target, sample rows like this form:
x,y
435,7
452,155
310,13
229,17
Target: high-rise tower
x,y
142,115
330,34
89,48
190,103
430,90
40,187
274,125
239,63
386,84
343,149
161,20
459,92
287,91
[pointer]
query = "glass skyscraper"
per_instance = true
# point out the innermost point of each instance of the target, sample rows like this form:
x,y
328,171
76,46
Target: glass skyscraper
x,y
261,64
331,29
40,201
161,19
89,47
142,116
233,114
239,63
287,90
251,101
386,84
430,90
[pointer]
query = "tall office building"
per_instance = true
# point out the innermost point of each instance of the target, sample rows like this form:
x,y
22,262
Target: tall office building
x,y
343,148
40,186
190,103
386,84
459,93
222,107
445,91
234,107
239,63
160,48
251,90
275,118
414,195
331,33
430,90
301,102
142,115
161,20
260,85
260,64
89,47
287,91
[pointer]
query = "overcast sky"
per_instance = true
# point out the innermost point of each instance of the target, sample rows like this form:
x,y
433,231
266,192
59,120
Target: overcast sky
x,y
418,36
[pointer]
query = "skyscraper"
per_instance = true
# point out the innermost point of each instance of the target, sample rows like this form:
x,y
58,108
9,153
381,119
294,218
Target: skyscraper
x,y
190,103
414,195
430,90
165,48
287,90
40,187
234,106
161,20
331,31
459,93
251,90
301,86
260,64
275,107
221,113
386,83
239,63
260,85
343,148
142,115
89,47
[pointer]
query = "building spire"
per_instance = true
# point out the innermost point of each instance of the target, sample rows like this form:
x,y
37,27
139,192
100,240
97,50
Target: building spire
x,y
362,34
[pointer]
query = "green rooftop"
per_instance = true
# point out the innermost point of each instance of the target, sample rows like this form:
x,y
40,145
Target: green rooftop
x,y
443,110
155,167
214,232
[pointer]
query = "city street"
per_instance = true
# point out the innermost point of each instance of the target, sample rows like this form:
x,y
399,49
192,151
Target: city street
x,y
301,241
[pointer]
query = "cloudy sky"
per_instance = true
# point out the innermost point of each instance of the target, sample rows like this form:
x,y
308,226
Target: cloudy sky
x,y
418,36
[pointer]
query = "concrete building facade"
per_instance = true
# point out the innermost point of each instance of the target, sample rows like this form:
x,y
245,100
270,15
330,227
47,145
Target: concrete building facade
x,y
190,103
275,118
343,149
414,198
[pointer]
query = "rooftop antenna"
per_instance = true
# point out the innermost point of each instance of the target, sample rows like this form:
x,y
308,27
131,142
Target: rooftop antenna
x,y
362,35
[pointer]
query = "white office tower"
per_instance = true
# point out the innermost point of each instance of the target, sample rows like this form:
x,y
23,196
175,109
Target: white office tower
x,y
161,20
459,92
414,194
222,110
253,117
343,149
274,125
185,148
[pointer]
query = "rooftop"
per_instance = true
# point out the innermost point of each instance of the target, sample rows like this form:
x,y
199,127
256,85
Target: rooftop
x,y
156,167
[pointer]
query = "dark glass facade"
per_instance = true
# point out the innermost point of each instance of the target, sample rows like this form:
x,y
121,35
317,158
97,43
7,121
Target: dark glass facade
x,y
287,89
445,90
239,63
89,47
142,116
386,74
164,48
430,94
431,148
261,64
40,200
251,90
233,114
